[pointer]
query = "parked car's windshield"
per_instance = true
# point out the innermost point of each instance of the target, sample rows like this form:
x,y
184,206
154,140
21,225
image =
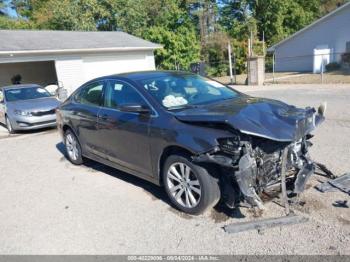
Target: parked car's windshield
x,y
15,94
177,91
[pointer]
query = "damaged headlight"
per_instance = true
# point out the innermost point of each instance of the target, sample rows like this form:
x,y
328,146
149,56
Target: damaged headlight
x,y
230,145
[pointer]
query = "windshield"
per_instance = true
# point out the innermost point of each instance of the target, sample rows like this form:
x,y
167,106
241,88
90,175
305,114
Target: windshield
x,y
15,94
178,91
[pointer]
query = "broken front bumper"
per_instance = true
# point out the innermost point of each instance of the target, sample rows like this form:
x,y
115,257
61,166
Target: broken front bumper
x,y
244,175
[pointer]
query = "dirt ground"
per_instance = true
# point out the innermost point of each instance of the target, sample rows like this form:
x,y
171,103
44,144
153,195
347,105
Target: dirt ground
x,y
49,206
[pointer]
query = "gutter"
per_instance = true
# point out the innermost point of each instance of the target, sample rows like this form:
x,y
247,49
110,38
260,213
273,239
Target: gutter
x,y
84,50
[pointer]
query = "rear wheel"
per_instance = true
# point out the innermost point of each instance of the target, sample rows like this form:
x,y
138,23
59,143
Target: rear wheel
x,y
73,148
189,186
9,126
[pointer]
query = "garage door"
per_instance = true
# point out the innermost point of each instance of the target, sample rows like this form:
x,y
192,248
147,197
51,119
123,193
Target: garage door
x,y
96,66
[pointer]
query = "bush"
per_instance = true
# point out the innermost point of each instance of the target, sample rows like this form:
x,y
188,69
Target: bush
x,y
345,58
218,70
333,66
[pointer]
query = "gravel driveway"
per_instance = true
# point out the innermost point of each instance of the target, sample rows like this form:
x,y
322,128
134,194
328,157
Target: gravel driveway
x,y
49,206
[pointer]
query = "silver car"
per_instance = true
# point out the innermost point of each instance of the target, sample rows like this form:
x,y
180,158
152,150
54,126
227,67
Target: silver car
x,y
27,107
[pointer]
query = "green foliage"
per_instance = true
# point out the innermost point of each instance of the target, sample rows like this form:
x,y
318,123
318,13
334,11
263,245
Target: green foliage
x,y
279,19
181,47
215,54
10,23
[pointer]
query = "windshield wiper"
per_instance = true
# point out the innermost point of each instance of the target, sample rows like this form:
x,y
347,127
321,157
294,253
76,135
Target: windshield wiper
x,y
181,107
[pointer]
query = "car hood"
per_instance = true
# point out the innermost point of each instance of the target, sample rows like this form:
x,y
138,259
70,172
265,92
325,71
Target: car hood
x,y
40,104
260,117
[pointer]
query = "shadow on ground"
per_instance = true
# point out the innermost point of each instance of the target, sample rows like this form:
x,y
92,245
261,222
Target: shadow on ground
x,y
155,191
219,214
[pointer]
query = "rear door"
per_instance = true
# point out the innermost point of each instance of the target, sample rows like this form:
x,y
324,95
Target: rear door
x,y
2,106
124,135
87,104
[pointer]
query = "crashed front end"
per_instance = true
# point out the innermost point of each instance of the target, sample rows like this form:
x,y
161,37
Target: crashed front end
x,y
252,165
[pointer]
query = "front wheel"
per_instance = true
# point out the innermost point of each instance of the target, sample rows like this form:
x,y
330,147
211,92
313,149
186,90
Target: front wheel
x,y
189,186
73,148
9,126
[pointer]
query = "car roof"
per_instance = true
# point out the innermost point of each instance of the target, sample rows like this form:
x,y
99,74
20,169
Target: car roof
x,y
142,75
20,86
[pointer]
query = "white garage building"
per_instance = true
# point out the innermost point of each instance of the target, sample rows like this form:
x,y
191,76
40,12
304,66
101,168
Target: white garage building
x,y
72,58
322,42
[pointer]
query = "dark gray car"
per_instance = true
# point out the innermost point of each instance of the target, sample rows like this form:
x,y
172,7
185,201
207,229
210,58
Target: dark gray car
x,y
27,107
201,140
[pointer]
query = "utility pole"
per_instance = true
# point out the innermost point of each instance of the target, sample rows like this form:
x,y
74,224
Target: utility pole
x,y
322,69
273,66
234,67
264,47
230,61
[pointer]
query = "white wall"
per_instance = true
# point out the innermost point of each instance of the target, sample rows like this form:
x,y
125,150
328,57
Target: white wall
x,y
109,64
70,73
296,54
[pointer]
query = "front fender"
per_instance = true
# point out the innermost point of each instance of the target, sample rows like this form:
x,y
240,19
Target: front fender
x,y
198,138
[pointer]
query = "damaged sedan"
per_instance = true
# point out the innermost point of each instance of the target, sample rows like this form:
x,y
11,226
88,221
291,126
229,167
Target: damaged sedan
x,y
204,142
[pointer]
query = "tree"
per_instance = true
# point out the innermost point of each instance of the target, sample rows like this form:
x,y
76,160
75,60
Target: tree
x,y
7,22
279,19
166,22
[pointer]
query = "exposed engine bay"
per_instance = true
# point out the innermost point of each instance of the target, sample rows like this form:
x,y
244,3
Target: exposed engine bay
x,y
253,165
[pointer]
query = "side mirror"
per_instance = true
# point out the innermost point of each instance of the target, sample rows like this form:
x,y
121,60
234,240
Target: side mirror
x,y
135,108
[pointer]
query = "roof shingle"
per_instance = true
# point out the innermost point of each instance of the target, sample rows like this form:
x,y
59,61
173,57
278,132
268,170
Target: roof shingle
x,y
31,40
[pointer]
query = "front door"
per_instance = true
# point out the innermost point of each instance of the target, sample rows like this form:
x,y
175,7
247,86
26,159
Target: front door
x,y
124,135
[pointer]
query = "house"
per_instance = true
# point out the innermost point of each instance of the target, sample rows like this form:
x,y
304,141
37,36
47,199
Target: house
x,y
70,58
318,44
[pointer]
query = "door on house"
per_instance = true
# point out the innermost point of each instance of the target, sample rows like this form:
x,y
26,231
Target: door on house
x,y
322,57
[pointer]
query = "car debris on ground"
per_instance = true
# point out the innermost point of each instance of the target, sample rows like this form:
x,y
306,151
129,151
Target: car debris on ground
x,y
334,183
265,223
341,183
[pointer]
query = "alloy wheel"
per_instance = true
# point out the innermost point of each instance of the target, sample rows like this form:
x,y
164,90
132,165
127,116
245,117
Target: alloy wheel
x,y
72,147
184,185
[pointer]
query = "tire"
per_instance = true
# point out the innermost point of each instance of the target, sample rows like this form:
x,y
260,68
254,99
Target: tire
x,y
73,148
194,195
9,126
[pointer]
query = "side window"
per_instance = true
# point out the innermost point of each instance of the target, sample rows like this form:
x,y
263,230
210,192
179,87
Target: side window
x,y
90,94
119,93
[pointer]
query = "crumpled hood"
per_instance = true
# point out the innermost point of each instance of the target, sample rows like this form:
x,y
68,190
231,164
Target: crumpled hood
x,y
260,117
33,105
